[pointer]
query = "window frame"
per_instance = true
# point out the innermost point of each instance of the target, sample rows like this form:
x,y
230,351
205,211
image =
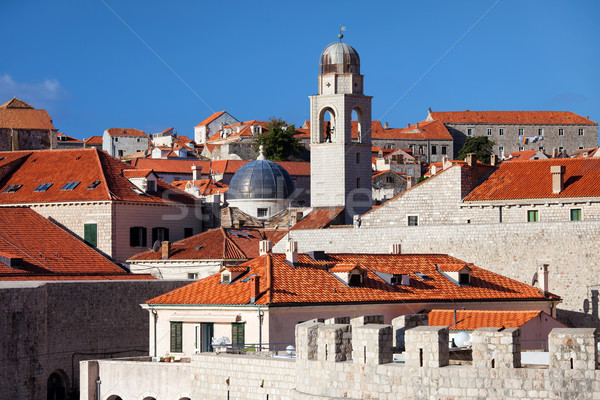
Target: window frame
x,y
43,187
138,236
521,132
155,234
262,212
70,186
581,132
410,217
176,336
578,213
533,216
489,131
500,131
444,150
540,131
561,132
90,234
238,331
469,132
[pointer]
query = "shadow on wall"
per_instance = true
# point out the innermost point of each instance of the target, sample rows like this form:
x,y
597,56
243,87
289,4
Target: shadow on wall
x,y
587,317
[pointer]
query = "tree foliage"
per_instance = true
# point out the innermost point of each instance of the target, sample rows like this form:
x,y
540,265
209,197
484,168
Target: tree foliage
x,y
480,145
279,141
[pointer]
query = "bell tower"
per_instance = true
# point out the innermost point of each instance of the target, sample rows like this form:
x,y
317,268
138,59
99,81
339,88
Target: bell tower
x,y
340,149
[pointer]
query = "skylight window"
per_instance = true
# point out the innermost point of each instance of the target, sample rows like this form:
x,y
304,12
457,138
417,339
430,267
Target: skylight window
x,y
12,188
93,185
70,185
43,187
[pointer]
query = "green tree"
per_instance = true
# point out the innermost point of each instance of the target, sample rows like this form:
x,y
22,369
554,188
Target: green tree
x,y
279,141
480,145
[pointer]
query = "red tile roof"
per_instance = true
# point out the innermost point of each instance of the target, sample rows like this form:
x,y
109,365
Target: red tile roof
x,y
205,186
310,282
469,320
455,267
379,173
66,138
211,118
214,244
432,130
532,180
15,103
511,117
48,252
25,118
522,155
86,166
137,173
93,140
319,218
245,129
125,132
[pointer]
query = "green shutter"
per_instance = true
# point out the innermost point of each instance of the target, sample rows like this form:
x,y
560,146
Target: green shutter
x,y
90,234
176,337
238,334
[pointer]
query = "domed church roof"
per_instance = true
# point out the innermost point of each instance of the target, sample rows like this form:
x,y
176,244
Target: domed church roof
x,y
339,58
260,179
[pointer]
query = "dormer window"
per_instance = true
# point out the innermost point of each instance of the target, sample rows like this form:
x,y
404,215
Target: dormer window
x,y
460,274
225,277
464,278
151,186
400,279
354,278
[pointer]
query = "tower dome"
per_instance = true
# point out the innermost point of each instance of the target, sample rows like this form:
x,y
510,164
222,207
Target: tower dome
x,y
260,179
339,58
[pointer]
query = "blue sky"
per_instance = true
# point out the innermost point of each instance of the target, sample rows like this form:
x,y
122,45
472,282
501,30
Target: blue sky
x,y
88,67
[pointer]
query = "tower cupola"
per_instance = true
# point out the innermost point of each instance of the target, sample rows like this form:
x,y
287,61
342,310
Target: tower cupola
x,y
339,58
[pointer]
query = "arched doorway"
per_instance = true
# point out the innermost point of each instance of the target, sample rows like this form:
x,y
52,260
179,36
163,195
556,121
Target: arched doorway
x,y
57,386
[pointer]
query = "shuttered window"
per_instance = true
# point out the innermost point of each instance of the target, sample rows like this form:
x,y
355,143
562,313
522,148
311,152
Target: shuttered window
x,y
90,234
160,234
176,337
238,334
137,236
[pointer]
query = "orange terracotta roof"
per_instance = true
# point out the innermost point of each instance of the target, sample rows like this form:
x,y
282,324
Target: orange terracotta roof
x,y
469,320
302,133
379,173
432,130
310,282
206,187
523,155
214,244
66,138
93,140
48,252
211,118
85,166
25,118
452,267
125,132
532,180
15,103
345,267
137,173
511,117
318,218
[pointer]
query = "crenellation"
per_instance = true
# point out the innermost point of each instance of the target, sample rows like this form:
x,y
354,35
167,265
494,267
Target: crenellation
x,y
427,346
372,344
496,348
573,348
334,343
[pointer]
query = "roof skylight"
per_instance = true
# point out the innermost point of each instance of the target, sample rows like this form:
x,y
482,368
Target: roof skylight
x,y
71,185
12,188
43,187
94,185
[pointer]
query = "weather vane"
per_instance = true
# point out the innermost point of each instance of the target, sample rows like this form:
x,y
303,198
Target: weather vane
x,y
341,35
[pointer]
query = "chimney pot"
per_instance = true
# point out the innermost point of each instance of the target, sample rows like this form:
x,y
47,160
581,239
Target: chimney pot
x,y
543,277
386,126
291,252
558,175
254,288
471,159
395,248
195,170
264,247
166,249
409,182
494,160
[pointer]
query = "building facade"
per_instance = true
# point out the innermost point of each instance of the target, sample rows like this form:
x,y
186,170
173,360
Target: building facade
x,y
24,128
119,142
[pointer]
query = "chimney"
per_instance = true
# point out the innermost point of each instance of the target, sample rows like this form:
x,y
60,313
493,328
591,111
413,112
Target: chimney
x,y
295,217
543,277
558,174
264,247
409,182
395,248
166,249
291,252
434,170
493,160
417,125
386,126
471,159
195,170
408,124
555,153
254,287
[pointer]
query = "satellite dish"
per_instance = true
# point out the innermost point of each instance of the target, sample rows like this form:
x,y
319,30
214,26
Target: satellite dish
x,y
461,339
156,246
534,279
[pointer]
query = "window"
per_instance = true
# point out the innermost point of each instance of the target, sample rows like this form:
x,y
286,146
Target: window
x,y
238,330
580,131
43,187
413,220
576,214
580,147
160,234
463,279
489,131
262,212
70,186
443,149
541,148
137,236
192,275
116,139
152,186
501,131
12,188
389,179
521,132
541,132
187,232
561,132
433,149
521,148
561,149
226,277
93,185
176,337
501,151
120,153
533,216
358,158
90,234
354,280
469,131
358,183
138,140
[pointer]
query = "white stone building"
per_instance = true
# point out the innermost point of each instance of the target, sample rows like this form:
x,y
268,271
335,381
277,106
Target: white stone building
x,y
119,142
211,125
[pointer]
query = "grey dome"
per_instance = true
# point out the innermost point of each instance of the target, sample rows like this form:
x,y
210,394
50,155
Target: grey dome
x,y
260,179
339,58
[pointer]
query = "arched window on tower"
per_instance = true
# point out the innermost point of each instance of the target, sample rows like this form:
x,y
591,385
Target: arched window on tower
x,y
326,127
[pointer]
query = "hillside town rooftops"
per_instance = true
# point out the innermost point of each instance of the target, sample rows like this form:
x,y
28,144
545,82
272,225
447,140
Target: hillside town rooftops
x,y
311,282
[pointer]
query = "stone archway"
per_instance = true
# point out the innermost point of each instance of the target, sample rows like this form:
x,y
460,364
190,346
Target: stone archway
x,y
56,387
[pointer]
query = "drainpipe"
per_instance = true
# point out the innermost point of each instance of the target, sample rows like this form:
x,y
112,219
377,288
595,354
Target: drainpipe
x,y
261,314
155,314
98,382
